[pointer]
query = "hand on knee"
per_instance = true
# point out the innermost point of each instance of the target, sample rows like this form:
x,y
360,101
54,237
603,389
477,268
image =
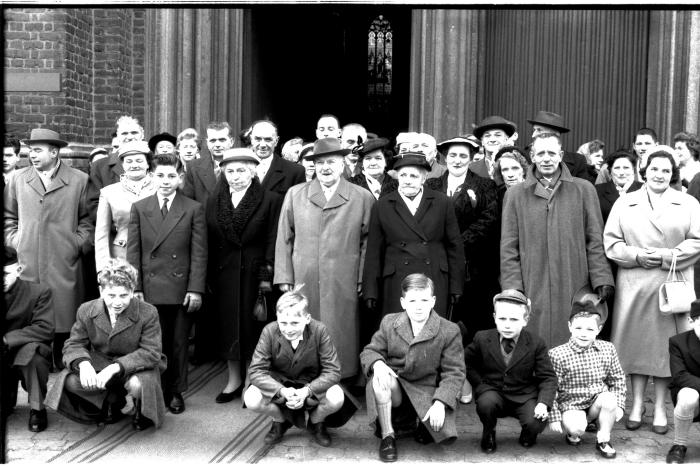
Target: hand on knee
x,y
253,398
335,397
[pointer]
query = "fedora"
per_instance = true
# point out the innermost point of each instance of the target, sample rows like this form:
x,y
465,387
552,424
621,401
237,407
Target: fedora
x,y
415,159
371,145
327,147
239,155
44,135
165,136
466,140
585,299
550,120
497,122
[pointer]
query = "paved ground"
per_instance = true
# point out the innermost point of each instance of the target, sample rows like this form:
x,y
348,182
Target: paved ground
x,y
353,442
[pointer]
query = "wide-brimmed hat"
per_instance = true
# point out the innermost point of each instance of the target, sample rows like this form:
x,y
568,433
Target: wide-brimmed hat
x,y
97,151
550,120
414,159
239,155
494,122
327,147
165,136
305,149
44,135
470,142
371,145
512,295
133,147
585,299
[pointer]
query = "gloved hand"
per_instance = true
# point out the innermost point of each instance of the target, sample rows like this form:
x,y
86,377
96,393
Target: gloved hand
x,y
371,303
454,298
605,292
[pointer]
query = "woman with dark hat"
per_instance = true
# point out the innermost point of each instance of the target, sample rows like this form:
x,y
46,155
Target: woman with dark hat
x,y
413,229
242,228
114,207
162,143
373,160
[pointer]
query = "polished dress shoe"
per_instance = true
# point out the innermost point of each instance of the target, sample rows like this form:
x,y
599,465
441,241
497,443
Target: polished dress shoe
x,y
139,422
277,431
660,429
387,449
225,397
605,450
37,420
676,455
526,441
177,404
634,424
320,434
592,427
488,442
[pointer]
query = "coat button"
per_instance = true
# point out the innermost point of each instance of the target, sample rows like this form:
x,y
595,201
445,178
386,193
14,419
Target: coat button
x,y
153,256
403,243
425,243
427,261
151,274
406,263
174,256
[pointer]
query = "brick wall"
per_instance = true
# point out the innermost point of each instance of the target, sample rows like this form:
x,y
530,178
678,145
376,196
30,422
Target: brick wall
x,y
99,54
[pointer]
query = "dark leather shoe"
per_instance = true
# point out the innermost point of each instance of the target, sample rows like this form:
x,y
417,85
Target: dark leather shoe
x,y
573,440
634,424
592,427
139,422
277,431
421,435
177,404
225,397
526,441
488,442
605,450
676,455
387,449
320,434
660,429
37,420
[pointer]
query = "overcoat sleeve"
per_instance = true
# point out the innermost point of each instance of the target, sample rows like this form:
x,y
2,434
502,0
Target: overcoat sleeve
x,y
511,272
374,255
11,214
474,361
681,377
452,370
455,251
598,267
377,349
198,252
261,364
148,354
103,225
85,232
272,224
133,248
41,328
688,250
616,248
367,204
330,364
284,247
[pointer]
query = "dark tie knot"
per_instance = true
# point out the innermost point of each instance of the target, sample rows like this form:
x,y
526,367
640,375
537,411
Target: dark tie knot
x,y
508,345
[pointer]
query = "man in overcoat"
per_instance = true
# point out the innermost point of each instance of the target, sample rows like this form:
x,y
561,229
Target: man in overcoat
x,y
47,223
552,240
321,241
274,172
26,343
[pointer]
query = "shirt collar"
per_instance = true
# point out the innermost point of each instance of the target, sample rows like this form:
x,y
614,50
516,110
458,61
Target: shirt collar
x,y
416,200
578,349
51,173
515,339
171,198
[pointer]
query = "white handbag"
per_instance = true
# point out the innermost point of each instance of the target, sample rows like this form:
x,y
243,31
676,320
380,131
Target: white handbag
x,y
676,293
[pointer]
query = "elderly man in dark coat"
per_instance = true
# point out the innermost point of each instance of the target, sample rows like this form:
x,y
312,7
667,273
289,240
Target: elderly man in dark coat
x,y
28,331
413,229
552,241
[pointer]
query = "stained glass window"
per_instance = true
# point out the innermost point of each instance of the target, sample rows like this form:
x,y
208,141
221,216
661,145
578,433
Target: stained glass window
x,y
380,42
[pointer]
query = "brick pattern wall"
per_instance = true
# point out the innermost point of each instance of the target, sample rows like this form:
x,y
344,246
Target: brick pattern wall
x,y
100,55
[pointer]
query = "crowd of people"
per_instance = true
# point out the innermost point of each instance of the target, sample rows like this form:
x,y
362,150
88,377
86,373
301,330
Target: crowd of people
x,y
422,274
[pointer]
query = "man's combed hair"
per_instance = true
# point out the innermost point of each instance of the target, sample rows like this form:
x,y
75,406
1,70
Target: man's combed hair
x,y
417,281
648,132
118,272
218,126
168,159
12,142
546,135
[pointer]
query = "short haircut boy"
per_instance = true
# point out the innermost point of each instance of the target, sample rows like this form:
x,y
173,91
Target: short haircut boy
x,y
168,160
417,281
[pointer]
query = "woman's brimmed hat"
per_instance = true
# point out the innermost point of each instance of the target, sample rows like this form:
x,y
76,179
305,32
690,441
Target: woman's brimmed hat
x,y
472,142
550,120
497,122
44,135
239,155
414,159
370,145
165,136
327,147
133,147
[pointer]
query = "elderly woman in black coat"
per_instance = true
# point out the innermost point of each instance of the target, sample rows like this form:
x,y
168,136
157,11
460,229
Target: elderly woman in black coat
x,y
242,228
413,229
373,156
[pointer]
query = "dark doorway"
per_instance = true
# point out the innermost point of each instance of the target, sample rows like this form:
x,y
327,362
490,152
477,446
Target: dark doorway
x,y
302,62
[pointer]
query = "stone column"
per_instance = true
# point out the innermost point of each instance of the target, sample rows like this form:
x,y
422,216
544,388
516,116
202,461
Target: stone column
x,y
443,72
673,88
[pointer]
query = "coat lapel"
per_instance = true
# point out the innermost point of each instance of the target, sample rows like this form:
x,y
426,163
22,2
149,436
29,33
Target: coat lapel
x,y
274,175
99,317
341,195
405,215
494,348
177,210
127,318
60,180
34,181
425,203
403,328
430,329
152,213
316,195
521,349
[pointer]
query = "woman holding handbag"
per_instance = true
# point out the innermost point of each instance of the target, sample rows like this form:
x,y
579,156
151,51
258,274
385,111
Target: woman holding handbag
x,y
242,228
646,230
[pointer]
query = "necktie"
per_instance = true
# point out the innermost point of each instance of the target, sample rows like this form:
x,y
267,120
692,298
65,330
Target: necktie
x,y
508,345
164,209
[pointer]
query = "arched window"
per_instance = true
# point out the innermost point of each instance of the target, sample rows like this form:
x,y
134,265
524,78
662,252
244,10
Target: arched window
x,y
380,41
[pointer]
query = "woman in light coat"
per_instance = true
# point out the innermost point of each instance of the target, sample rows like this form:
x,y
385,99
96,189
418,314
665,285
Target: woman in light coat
x,y
114,208
645,228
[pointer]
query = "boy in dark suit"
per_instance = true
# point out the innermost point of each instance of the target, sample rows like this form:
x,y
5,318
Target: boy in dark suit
x,y
685,384
295,368
168,246
510,372
591,383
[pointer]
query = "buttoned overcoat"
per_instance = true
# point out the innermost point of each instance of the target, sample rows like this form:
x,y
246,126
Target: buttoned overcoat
x,y
50,229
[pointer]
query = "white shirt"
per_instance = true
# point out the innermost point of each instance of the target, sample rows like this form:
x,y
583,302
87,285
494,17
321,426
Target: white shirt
x,y
263,167
237,196
328,191
48,175
374,186
412,204
171,198
454,182
295,342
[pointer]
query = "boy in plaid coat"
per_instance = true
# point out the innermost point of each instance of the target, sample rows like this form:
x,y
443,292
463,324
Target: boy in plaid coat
x,y
591,381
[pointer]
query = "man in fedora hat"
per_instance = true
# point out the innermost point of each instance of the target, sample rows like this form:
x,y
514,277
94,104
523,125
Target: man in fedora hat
x,y
494,132
47,223
552,239
550,122
162,143
321,242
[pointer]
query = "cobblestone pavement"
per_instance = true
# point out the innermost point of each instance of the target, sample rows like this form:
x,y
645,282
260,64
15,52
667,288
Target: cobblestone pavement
x,y
355,442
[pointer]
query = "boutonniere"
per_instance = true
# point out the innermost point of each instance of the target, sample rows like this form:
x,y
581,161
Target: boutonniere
x,y
472,197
